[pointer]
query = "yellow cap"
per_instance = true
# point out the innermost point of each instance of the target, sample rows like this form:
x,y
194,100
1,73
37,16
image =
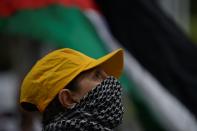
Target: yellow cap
x,y
54,71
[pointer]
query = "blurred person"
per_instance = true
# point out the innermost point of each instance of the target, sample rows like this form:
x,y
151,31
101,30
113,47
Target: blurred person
x,y
74,91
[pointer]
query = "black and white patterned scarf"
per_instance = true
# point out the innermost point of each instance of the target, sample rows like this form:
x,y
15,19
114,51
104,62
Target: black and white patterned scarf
x,y
100,110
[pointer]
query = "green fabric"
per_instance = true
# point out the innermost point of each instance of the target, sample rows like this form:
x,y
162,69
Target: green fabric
x,y
68,27
65,27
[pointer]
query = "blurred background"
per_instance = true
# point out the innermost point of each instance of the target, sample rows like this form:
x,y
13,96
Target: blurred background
x,y
159,38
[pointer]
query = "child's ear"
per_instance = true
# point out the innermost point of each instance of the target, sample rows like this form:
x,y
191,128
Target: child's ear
x,y
65,98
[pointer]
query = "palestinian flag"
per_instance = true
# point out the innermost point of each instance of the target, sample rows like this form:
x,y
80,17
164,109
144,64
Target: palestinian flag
x,y
71,23
60,22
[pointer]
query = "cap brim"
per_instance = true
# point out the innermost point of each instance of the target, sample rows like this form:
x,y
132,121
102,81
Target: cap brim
x,y
111,63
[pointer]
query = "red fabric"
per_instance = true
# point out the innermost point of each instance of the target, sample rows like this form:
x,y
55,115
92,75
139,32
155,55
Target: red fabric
x,y
8,7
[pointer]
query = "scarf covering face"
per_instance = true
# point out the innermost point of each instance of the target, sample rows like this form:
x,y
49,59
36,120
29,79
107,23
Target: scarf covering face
x,y
100,110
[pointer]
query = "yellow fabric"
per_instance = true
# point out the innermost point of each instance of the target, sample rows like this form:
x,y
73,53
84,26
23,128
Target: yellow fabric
x,y
54,71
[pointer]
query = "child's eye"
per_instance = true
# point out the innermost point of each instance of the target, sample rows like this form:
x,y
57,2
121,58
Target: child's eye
x,y
98,75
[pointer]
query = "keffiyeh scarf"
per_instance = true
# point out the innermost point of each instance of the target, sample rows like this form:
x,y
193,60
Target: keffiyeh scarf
x,y
100,110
